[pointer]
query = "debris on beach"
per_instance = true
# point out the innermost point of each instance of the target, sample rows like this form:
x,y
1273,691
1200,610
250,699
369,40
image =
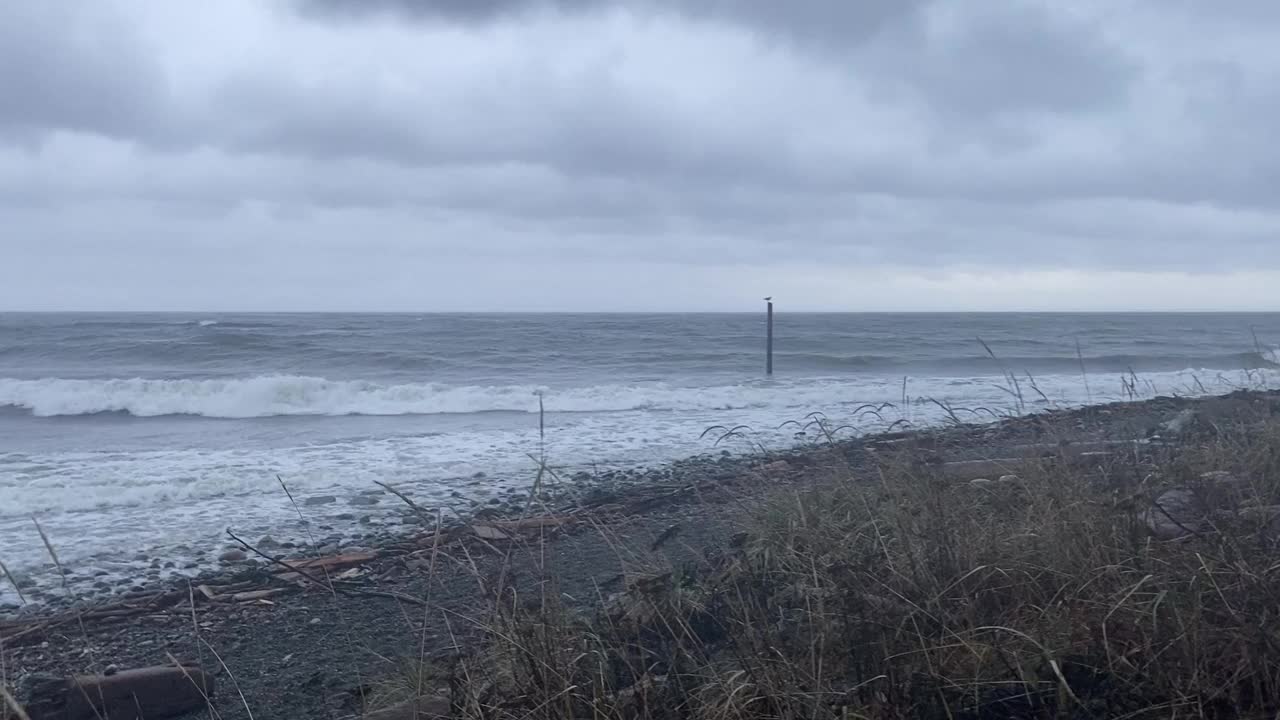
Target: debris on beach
x,y
153,693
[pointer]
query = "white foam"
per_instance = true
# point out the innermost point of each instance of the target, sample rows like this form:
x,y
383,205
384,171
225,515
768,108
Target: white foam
x,y
275,395
207,323
120,503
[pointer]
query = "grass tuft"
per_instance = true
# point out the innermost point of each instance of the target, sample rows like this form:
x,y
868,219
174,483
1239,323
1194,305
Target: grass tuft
x,y
894,591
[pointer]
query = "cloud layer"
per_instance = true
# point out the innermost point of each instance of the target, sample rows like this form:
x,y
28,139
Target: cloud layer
x,y
598,154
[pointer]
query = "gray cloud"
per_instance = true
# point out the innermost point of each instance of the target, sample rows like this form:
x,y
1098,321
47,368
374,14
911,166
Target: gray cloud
x,y
914,137
832,22
72,66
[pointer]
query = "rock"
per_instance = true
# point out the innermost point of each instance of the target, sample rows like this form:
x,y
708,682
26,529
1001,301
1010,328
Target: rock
x,y
1179,424
1010,478
1176,513
319,500
345,517
365,519
363,500
266,542
978,482
479,476
233,556
314,621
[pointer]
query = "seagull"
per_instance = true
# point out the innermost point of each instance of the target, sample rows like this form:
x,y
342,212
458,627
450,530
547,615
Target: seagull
x,y
769,299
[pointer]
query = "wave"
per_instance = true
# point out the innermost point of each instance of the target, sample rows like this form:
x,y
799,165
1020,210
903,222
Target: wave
x,y
1035,364
276,395
284,395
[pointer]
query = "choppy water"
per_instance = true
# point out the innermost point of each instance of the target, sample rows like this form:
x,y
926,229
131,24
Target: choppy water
x,y
136,432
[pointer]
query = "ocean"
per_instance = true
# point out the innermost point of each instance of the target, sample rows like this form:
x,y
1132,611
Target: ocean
x,y
132,437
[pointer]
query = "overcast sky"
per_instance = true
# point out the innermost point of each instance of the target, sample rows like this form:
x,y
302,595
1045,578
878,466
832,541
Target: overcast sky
x,y
639,154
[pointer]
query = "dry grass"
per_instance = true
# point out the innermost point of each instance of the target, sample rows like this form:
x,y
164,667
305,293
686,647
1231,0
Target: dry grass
x,y
899,593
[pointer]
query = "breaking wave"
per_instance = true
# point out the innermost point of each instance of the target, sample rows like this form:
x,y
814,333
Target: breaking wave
x,y
276,395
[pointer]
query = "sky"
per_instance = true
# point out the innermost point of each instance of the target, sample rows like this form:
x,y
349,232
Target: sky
x,y
452,155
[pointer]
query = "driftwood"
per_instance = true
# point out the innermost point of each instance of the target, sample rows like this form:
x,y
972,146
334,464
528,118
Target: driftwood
x,y
19,632
151,693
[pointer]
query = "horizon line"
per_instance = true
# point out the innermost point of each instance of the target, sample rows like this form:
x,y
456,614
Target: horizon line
x,y
778,309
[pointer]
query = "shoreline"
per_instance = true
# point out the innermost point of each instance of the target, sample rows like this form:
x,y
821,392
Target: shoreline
x,y
140,578
295,632
135,547
391,535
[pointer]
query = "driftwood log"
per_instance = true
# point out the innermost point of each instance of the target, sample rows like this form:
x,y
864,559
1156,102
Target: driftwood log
x,y
152,693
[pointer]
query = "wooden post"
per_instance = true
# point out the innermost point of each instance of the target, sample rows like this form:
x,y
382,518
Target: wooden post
x,y
768,361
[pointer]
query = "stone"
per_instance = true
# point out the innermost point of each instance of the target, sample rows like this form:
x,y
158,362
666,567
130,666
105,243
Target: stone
x,y
233,556
1185,511
266,542
1010,478
1179,424
775,467
1175,514
978,482
319,500
363,500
